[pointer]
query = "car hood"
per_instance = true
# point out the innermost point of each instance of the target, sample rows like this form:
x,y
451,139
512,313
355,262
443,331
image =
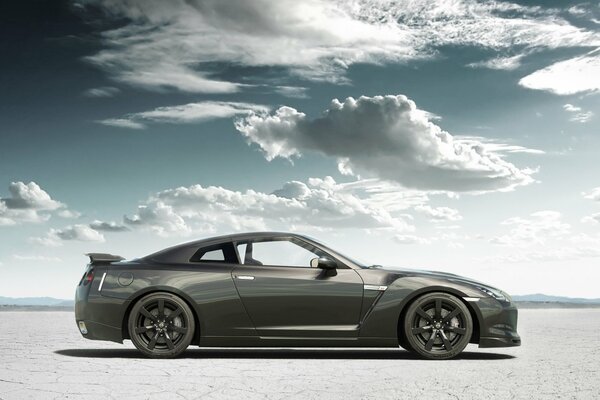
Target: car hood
x,y
434,274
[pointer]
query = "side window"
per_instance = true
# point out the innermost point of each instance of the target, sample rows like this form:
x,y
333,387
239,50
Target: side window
x,y
221,253
241,248
276,253
213,255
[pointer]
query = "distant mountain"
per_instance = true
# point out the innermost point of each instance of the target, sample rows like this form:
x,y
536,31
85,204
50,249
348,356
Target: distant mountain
x,y
544,298
35,301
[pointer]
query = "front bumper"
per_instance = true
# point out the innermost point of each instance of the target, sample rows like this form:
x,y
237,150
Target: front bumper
x,y
497,323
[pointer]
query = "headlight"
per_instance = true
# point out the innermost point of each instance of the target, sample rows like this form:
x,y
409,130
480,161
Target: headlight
x,y
495,293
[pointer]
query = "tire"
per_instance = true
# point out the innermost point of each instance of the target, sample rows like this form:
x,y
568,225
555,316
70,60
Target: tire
x,y
161,325
438,326
403,342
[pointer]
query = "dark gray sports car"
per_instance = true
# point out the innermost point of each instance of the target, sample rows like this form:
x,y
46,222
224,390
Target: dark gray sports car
x,y
282,289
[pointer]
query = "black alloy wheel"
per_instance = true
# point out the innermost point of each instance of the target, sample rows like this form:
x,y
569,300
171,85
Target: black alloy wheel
x,y
161,325
437,326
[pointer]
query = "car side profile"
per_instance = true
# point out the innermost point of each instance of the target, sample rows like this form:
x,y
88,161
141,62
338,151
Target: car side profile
x,y
285,290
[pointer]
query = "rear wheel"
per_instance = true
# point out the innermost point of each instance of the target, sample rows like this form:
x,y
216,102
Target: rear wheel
x,y
161,325
438,326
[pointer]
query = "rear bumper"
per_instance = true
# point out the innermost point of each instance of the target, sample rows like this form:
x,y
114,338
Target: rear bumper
x,y
103,316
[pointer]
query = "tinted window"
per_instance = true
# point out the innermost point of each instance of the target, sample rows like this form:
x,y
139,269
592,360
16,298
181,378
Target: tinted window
x,y
213,255
223,252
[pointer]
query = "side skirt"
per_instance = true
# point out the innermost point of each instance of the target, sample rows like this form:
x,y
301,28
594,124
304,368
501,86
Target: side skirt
x,y
275,341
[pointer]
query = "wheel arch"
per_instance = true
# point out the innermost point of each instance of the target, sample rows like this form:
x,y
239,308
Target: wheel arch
x,y
475,315
161,289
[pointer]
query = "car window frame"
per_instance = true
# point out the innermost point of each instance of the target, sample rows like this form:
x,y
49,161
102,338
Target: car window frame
x,y
293,239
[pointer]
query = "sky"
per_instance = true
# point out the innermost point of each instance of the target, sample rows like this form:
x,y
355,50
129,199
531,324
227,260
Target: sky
x,y
457,136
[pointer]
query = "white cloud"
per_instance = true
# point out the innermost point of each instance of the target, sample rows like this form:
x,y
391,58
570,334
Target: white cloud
x,y
104,91
159,218
387,137
492,145
574,247
500,63
122,123
176,44
537,229
593,194
577,10
68,214
108,226
19,257
29,196
411,239
578,114
439,213
571,108
296,92
575,75
594,218
317,204
78,232
196,112
28,202
186,113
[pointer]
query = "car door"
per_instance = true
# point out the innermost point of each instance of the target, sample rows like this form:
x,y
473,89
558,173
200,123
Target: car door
x,y
285,297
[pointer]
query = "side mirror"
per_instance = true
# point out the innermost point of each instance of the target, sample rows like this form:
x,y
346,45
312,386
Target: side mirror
x,y
323,263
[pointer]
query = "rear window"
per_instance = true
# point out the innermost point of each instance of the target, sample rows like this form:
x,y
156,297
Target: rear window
x,y
220,253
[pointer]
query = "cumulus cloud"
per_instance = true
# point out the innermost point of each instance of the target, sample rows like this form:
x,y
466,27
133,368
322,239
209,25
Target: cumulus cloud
x,y
69,214
29,196
316,204
186,113
578,114
78,232
176,44
387,137
593,194
28,202
536,229
575,75
594,218
159,218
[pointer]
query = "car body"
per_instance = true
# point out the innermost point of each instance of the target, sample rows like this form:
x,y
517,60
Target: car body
x,y
282,289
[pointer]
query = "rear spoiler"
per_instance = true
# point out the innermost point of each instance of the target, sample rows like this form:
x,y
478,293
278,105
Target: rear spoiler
x,y
103,258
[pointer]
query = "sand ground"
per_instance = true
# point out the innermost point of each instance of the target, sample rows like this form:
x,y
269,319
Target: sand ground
x,y
42,356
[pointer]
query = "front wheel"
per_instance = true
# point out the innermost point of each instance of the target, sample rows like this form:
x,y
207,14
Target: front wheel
x,y
438,326
161,325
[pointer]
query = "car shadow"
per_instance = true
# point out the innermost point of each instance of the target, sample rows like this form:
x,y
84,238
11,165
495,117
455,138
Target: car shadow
x,y
322,354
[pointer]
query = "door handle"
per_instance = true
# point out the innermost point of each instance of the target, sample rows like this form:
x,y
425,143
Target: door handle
x,y
245,277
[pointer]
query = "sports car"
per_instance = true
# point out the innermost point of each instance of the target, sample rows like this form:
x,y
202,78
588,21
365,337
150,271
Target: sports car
x,y
271,289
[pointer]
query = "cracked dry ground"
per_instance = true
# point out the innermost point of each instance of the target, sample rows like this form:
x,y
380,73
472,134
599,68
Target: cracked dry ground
x,y
43,356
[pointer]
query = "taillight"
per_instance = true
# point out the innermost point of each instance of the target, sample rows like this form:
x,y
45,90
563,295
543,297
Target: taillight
x,y
89,277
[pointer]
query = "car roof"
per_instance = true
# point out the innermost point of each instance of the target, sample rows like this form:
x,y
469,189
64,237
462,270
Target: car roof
x,y
240,236
182,250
